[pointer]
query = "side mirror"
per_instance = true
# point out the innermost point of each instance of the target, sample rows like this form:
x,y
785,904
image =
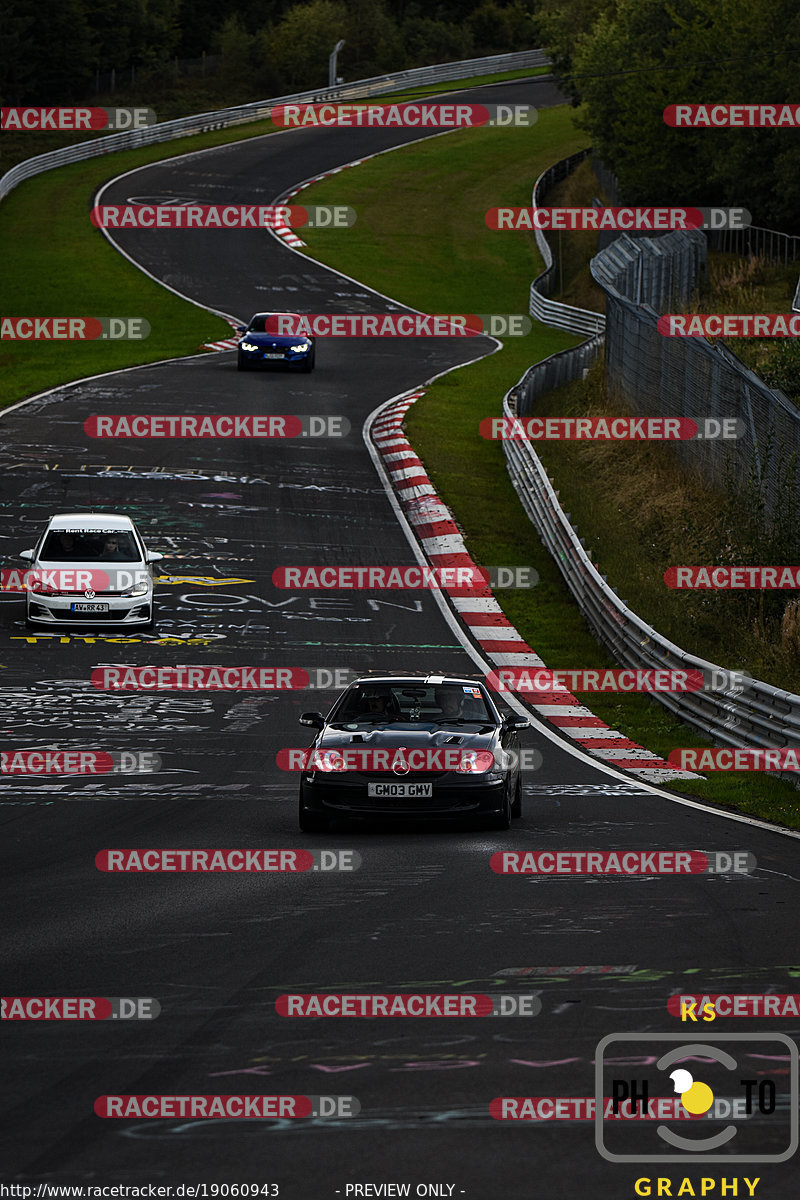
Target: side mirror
x,y
28,554
154,556
240,328
314,719
512,721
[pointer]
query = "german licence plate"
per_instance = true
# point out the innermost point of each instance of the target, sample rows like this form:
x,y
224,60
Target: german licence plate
x,y
399,791
88,608
281,355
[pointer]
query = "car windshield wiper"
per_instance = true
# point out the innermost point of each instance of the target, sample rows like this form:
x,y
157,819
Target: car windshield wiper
x,y
460,721
368,720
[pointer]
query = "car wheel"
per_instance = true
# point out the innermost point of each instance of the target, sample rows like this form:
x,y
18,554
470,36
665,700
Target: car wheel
x,y
516,806
310,822
308,365
242,364
502,820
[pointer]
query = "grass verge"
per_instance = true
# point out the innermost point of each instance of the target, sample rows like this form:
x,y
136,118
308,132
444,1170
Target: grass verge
x,y
55,263
421,239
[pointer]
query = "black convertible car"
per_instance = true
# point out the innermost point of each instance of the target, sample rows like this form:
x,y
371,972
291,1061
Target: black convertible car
x,y
415,747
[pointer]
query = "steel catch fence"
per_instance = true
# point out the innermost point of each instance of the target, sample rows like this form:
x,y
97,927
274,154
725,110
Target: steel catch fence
x,y
653,371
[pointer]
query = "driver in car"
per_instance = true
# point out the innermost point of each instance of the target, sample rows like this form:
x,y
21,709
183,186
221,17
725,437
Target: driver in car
x,y
379,705
450,702
111,549
455,704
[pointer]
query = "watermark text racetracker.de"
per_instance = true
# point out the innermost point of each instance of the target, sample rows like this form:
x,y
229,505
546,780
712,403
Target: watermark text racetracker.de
x,y
545,682
750,578
696,1007
729,325
406,759
408,116
401,577
739,758
622,862
653,220
215,425
400,325
47,119
610,429
156,861
79,762
732,116
187,678
235,1108
79,1008
222,216
73,329
405,1004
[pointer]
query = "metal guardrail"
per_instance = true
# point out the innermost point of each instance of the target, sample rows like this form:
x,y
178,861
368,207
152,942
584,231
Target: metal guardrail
x,y
554,372
758,715
561,316
755,714
260,110
769,244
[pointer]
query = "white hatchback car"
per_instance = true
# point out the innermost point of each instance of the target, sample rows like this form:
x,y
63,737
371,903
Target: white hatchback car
x,y
89,568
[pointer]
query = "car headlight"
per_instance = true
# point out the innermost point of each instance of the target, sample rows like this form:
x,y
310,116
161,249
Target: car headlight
x,y
326,760
139,589
301,346
247,346
475,762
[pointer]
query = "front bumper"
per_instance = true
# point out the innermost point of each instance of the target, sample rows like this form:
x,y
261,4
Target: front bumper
x,y
123,610
453,797
289,358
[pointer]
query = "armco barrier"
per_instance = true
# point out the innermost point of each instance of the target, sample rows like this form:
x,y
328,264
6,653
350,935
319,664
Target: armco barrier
x,y
260,110
561,316
757,715
760,716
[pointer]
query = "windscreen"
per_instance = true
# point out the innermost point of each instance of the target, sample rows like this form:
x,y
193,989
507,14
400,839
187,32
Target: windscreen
x,y
438,703
259,324
96,545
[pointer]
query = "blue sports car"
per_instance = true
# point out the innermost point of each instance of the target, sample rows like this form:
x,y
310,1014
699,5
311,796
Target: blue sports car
x,y
259,348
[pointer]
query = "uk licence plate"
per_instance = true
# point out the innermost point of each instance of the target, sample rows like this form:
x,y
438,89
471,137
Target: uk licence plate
x,y
399,791
88,608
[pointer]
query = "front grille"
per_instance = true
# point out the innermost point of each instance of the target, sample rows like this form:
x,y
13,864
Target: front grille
x,y
443,802
354,778
64,614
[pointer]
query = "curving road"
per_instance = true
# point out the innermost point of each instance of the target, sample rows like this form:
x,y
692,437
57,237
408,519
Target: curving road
x,y
424,911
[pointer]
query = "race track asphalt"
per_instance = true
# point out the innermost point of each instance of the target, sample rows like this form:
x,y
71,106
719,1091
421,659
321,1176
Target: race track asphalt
x,y
424,912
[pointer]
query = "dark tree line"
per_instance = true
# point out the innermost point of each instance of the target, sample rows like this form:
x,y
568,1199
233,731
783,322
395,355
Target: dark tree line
x,y
625,61
50,54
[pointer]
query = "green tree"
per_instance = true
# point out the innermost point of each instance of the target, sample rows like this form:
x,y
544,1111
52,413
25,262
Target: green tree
x,y
18,55
239,51
301,43
427,41
639,56
154,30
373,40
63,60
498,28
563,25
